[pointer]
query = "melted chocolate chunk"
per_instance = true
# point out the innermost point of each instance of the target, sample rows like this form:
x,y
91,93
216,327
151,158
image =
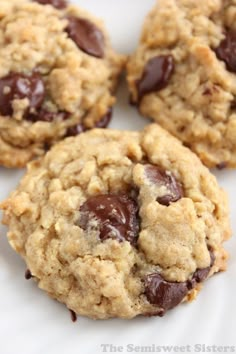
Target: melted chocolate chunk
x,y
105,120
58,4
163,294
167,295
46,116
28,274
156,75
158,176
86,36
20,86
116,217
227,50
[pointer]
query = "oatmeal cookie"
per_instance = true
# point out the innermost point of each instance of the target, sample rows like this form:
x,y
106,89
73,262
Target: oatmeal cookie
x,y
118,224
183,75
58,74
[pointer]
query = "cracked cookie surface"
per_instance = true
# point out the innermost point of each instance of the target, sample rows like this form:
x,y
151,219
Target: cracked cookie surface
x,y
118,224
183,75
58,74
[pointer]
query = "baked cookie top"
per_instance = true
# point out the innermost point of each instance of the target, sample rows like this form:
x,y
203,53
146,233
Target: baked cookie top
x,y
183,75
117,224
57,76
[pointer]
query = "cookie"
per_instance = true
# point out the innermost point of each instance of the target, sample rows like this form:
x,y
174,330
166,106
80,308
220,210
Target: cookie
x,y
119,224
58,74
183,75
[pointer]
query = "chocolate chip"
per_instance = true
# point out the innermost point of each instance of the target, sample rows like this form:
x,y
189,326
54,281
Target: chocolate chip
x,y
45,116
233,104
207,92
73,316
86,36
159,177
155,313
227,50
156,75
47,146
115,216
58,4
163,294
80,128
75,130
28,274
221,165
131,101
212,255
20,86
105,120
201,274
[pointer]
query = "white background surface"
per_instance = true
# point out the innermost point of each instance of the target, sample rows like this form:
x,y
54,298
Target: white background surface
x,y
31,323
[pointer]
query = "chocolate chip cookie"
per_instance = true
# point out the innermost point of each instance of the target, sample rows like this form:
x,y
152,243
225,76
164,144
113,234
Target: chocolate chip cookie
x,y
118,224
183,75
58,74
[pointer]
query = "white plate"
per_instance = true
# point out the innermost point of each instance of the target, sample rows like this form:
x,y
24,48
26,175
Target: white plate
x,y
31,323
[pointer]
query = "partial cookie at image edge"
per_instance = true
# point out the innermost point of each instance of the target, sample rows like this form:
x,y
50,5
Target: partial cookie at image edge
x,y
182,75
58,64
